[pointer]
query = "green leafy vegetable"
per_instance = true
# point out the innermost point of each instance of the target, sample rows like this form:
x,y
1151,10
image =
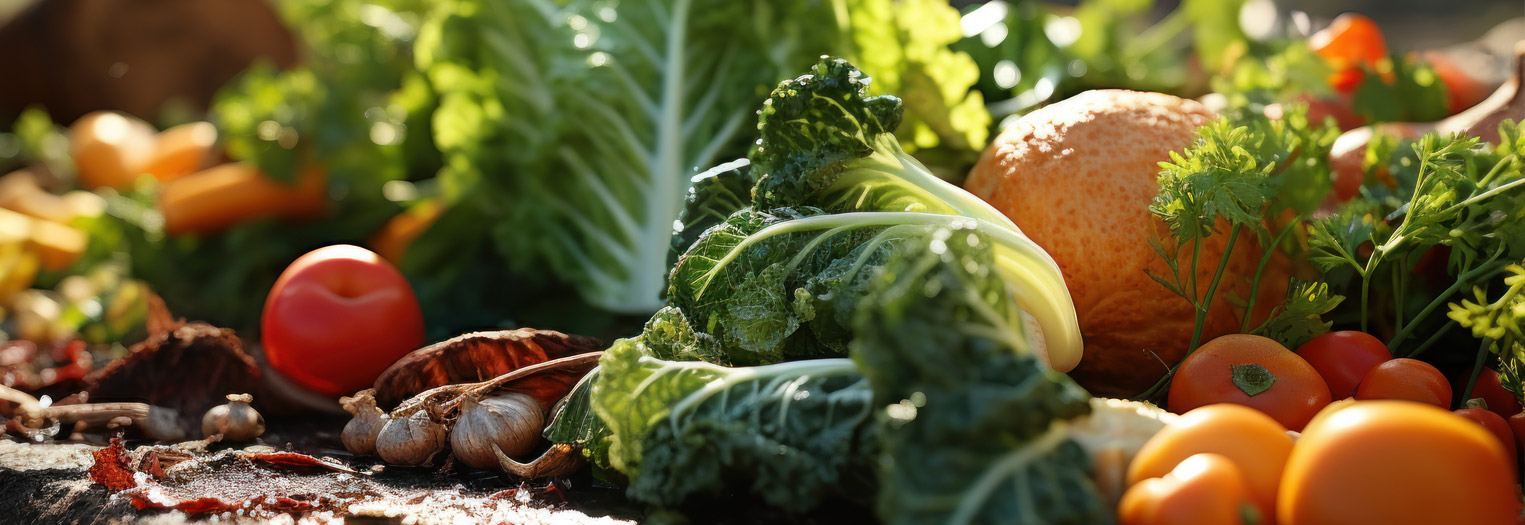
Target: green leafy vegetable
x,y
791,434
906,44
974,424
585,121
826,143
714,195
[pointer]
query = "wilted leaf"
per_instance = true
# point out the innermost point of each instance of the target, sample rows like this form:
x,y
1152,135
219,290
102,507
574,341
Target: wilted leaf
x,y
473,358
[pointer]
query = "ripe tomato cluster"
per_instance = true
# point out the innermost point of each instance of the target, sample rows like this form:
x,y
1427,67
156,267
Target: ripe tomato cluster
x,y
1390,462
1372,428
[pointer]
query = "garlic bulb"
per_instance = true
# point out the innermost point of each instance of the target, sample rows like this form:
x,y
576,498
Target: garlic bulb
x,y
235,421
511,421
410,440
360,433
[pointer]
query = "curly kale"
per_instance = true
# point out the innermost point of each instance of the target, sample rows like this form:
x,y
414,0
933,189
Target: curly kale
x,y
825,143
974,424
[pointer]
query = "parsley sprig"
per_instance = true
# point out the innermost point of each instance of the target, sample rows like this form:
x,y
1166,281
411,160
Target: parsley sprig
x,y
1242,173
1465,196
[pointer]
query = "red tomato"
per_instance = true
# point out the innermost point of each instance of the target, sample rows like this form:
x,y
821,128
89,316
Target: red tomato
x,y
1517,425
337,317
1494,424
1350,43
1409,379
1343,358
1253,371
1500,401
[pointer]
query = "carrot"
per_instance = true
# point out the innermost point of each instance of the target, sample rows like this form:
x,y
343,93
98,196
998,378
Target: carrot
x,y
392,240
181,150
219,197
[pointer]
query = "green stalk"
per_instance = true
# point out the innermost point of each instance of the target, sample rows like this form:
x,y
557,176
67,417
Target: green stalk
x,y
1397,288
1371,265
1430,341
1202,308
1477,369
1483,272
1212,289
1265,259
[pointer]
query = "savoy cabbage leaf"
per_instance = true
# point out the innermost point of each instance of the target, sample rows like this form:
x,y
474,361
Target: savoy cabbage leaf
x,y
790,433
974,425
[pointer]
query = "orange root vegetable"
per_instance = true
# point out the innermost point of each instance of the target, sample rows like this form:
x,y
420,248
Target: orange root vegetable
x,y
109,148
181,150
223,196
393,239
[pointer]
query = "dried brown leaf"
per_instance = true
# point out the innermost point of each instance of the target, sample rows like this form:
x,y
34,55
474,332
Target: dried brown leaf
x,y
188,369
474,357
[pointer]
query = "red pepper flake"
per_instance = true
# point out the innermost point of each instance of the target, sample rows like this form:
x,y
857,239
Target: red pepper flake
x,y
112,468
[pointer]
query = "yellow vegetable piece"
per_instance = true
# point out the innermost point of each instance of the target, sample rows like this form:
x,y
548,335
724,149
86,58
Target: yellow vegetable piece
x,y
57,246
109,148
18,270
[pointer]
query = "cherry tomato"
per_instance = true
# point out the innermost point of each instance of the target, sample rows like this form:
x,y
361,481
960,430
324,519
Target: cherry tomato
x,y
1500,400
1494,424
1205,488
1409,379
1254,442
1350,43
337,317
1517,427
1343,358
1253,371
1396,463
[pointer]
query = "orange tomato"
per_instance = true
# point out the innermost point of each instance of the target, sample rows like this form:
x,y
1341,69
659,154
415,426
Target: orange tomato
x,y
1396,463
1407,379
1253,371
1205,488
1257,444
